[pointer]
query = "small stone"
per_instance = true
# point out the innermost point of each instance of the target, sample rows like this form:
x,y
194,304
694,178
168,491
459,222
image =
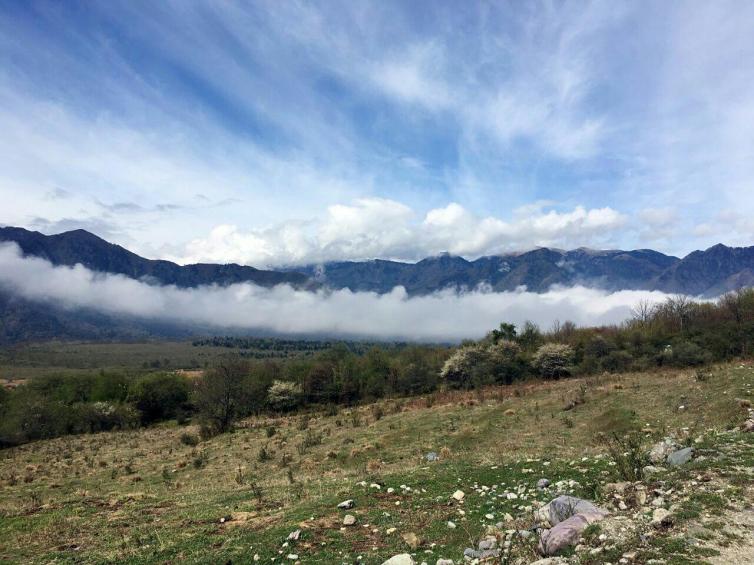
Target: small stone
x,y
452,525
349,520
411,539
459,495
661,518
401,559
294,535
442,561
346,504
681,457
543,484
292,556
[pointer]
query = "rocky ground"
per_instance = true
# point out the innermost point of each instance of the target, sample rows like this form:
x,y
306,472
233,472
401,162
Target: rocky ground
x,y
691,505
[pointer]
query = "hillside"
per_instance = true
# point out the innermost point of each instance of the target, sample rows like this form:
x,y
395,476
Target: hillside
x,y
145,496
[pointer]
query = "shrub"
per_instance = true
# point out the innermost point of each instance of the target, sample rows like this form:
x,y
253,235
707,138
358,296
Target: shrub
x,y
469,366
616,361
688,354
553,360
627,452
159,396
283,396
506,361
189,439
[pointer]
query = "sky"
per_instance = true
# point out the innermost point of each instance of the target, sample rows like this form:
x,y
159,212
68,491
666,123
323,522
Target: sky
x,y
283,133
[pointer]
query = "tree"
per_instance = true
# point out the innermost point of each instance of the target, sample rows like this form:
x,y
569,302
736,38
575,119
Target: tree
x,y
221,395
530,337
506,332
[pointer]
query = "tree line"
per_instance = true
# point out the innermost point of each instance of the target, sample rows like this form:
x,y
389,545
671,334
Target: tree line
x,y
678,332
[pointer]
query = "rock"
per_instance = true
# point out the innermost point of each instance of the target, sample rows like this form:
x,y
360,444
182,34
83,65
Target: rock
x,y
569,516
458,495
662,449
564,506
442,561
565,533
652,470
471,553
681,457
543,484
346,505
451,525
432,456
349,520
402,559
487,543
661,518
411,539
294,535
292,556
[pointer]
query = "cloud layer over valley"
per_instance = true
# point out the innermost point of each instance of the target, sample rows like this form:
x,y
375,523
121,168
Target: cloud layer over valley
x,y
446,315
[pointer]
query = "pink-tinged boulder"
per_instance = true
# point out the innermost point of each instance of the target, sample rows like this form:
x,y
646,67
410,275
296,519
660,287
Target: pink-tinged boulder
x,y
569,516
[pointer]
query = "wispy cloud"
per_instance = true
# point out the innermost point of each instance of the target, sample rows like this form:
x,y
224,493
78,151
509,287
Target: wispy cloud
x,y
288,108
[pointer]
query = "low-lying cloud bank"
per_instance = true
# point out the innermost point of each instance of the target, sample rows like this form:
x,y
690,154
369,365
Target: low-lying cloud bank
x,y
446,315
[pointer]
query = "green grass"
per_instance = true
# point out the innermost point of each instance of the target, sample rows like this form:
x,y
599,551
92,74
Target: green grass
x,y
138,497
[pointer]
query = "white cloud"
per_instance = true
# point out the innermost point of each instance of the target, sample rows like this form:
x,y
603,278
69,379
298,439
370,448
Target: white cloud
x,y
379,228
446,315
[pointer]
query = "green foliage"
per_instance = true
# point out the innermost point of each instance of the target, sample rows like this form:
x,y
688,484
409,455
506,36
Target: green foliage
x,y
159,396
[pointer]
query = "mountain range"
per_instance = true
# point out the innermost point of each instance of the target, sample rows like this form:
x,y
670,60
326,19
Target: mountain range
x,y
701,273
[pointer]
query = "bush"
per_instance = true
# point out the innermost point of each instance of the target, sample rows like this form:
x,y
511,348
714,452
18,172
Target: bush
x,y
283,396
159,396
688,354
616,361
189,439
553,360
468,367
507,362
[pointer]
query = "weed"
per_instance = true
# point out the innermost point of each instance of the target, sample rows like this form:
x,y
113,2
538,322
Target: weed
x,y
189,439
627,452
200,460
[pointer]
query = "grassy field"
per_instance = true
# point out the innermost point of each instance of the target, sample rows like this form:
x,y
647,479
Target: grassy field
x,y
146,496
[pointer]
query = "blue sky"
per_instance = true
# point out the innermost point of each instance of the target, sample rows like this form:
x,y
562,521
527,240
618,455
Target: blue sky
x,y
275,133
